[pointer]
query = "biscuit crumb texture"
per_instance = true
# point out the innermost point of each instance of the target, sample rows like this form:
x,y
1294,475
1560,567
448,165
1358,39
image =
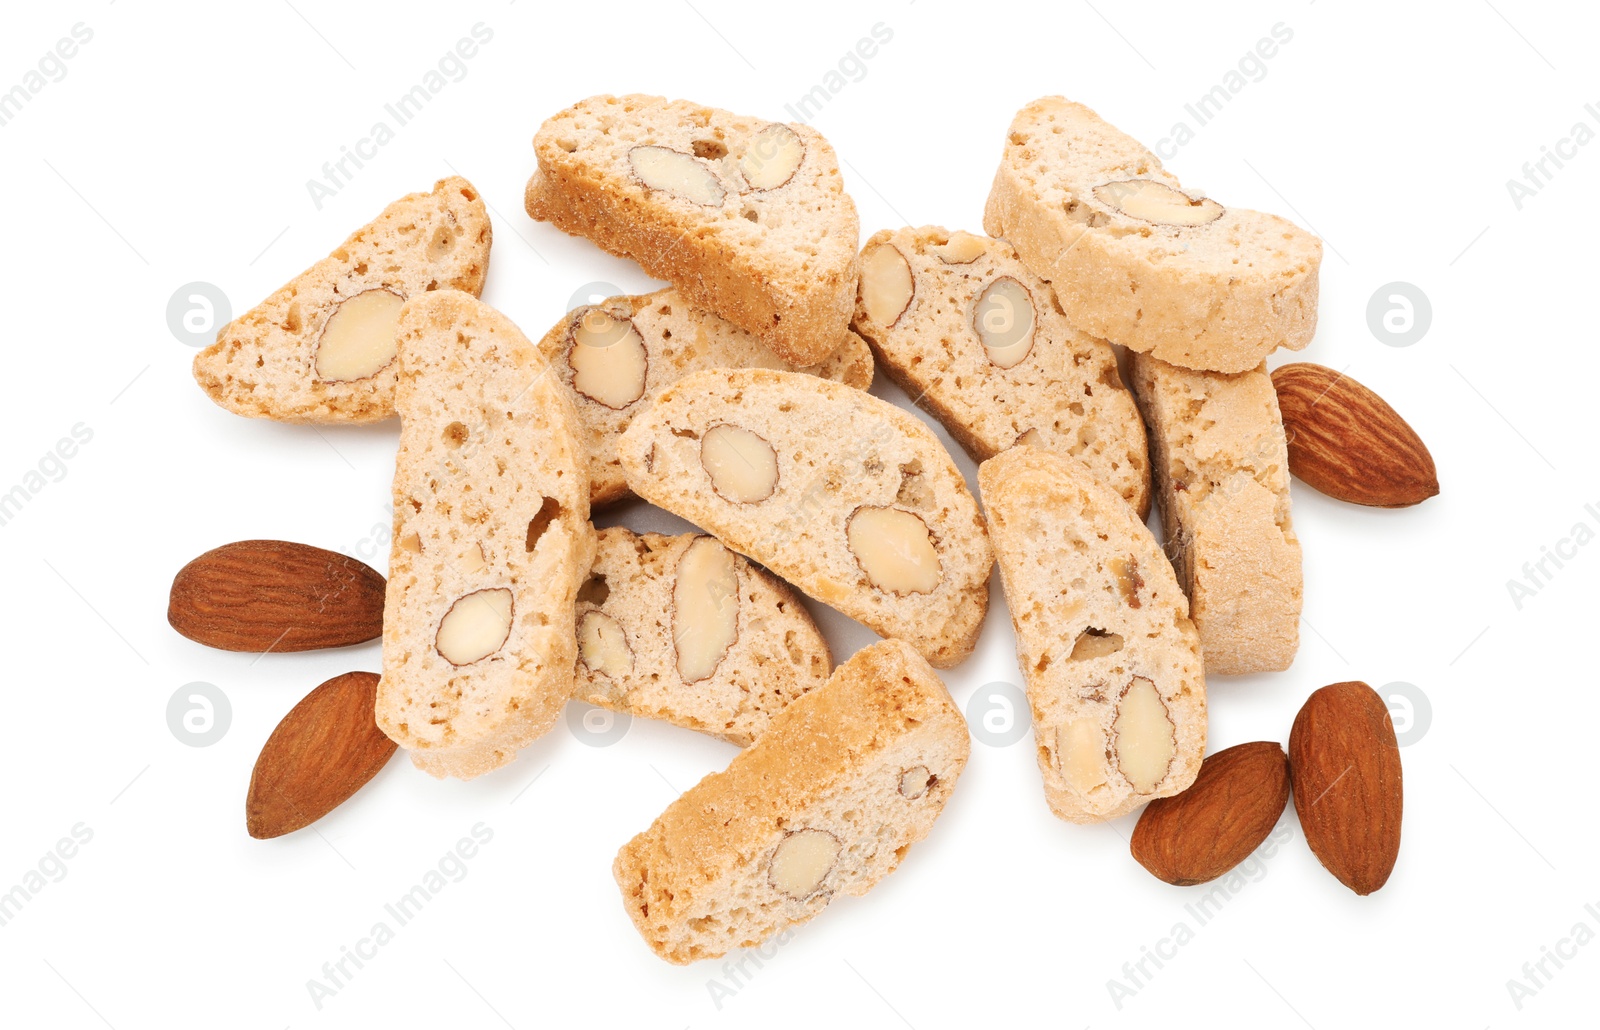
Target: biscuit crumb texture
x,y
1098,614
1064,395
779,262
1222,476
677,338
1218,296
491,493
833,452
868,760
263,363
776,656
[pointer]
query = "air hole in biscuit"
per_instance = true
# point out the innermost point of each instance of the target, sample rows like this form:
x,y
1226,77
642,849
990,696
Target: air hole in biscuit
x,y
440,244
549,511
710,149
594,590
1095,643
455,434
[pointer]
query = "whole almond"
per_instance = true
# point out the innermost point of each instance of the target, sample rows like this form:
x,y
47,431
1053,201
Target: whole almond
x,y
323,751
1345,441
1196,836
1344,763
272,595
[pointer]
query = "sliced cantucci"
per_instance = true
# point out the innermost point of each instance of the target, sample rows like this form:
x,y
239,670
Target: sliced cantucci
x,y
491,541
846,496
321,349
958,322
1111,660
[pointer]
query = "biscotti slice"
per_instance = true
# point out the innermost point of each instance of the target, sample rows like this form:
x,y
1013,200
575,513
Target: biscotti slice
x,y
1136,259
1111,660
826,802
1222,479
749,218
842,494
321,349
681,628
491,541
616,356
975,338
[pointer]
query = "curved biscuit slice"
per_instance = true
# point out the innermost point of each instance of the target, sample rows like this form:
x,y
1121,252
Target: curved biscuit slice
x,y
844,495
617,355
1135,259
980,344
491,541
681,628
321,349
1222,472
1103,637
748,218
827,801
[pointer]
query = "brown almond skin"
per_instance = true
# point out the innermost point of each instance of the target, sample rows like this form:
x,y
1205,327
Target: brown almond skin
x,y
323,751
1197,836
272,595
1347,442
1344,763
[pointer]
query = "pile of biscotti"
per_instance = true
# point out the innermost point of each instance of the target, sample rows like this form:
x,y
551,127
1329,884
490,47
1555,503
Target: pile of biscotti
x,y
736,399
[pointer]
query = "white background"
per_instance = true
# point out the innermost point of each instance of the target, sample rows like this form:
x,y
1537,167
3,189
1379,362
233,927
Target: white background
x,y
177,148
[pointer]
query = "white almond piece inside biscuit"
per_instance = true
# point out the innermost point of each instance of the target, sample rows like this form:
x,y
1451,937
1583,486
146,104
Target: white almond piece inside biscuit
x,y
603,646
915,781
962,248
1082,748
359,339
774,155
608,359
475,627
1004,318
743,467
894,549
1157,202
886,284
705,608
677,173
1146,740
802,861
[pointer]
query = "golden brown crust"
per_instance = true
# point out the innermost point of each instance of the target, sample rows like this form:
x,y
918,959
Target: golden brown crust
x,y
787,274
1218,296
696,884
